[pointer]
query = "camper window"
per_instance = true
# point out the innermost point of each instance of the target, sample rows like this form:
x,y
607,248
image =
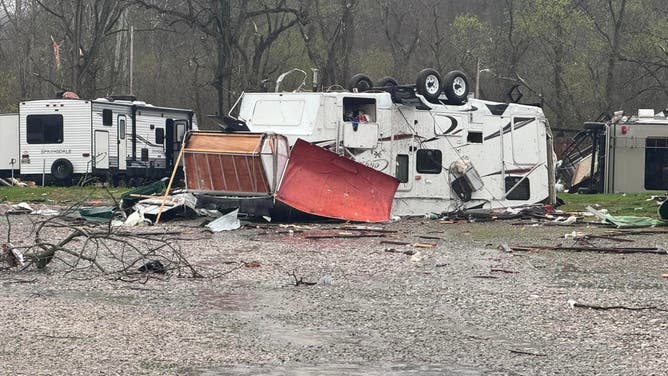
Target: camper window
x,y
159,136
181,126
656,163
521,192
474,137
121,127
107,117
44,129
354,108
429,161
402,168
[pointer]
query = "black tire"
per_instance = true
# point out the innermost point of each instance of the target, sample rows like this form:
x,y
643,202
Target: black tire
x,y
387,82
361,82
62,169
456,87
429,84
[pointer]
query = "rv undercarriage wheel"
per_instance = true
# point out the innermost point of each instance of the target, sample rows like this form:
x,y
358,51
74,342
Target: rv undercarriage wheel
x,y
62,169
456,87
428,84
361,82
387,82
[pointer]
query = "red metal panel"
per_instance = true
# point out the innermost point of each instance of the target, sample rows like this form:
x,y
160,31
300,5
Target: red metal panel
x,y
323,183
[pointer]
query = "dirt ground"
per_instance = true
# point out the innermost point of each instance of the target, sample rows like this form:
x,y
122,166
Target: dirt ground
x,y
449,301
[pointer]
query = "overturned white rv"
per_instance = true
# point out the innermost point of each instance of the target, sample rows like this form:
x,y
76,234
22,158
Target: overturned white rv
x,y
446,154
117,137
624,155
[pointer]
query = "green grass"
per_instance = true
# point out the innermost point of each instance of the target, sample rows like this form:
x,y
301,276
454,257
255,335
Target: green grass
x,y
616,204
59,195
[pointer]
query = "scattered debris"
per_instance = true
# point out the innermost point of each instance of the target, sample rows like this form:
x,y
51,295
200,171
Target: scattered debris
x,y
566,221
522,352
227,222
12,256
344,235
425,245
497,270
252,264
623,250
300,281
409,252
504,248
97,214
625,221
153,266
573,304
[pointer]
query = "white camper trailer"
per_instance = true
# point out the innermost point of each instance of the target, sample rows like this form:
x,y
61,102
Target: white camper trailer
x,y
628,154
447,154
636,153
9,146
117,137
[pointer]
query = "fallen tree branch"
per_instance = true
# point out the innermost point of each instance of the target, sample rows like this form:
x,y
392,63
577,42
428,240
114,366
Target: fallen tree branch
x,y
574,304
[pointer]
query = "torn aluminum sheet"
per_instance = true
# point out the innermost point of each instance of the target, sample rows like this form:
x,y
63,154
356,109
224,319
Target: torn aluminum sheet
x,y
227,222
151,206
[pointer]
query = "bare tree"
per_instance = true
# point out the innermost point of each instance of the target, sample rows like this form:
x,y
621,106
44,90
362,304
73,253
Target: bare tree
x,y
232,24
328,37
85,26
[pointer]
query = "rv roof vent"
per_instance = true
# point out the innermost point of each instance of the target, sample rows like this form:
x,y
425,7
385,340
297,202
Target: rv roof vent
x,y
102,100
646,113
139,103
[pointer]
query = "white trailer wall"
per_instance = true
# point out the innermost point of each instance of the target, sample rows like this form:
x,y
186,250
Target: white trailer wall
x,y
9,141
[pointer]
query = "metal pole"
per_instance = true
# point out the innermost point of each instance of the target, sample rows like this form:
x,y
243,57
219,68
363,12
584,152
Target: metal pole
x,y
12,162
132,34
477,78
43,171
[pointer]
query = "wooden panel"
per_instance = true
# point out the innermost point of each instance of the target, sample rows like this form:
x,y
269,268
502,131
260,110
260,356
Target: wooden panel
x,y
224,143
224,173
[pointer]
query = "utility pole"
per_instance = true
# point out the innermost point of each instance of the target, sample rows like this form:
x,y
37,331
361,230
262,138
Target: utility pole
x,y
132,34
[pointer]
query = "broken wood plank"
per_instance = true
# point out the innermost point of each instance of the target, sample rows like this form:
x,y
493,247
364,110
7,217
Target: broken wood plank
x,y
497,270
429,237
627,250
344,236
424,245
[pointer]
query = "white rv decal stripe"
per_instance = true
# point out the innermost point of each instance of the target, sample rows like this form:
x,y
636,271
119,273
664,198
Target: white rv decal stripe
x,y
520,122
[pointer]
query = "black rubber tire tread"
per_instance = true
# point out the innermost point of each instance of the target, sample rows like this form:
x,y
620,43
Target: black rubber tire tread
x,y
421,84
62,169
387,82
361,82
449,89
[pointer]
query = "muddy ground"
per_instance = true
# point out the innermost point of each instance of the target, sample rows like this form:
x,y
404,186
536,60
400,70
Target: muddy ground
x,y
461,307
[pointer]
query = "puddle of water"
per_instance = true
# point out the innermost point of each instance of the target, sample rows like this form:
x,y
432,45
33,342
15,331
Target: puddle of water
x,y
398,369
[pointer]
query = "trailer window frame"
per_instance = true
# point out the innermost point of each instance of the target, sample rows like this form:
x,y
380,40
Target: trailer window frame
x,y
429,161
159,136
523,190
656,160
107,117
40,129
401,172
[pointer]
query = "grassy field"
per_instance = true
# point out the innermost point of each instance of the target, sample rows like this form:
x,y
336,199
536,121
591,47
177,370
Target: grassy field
x,y
617,204
59,195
